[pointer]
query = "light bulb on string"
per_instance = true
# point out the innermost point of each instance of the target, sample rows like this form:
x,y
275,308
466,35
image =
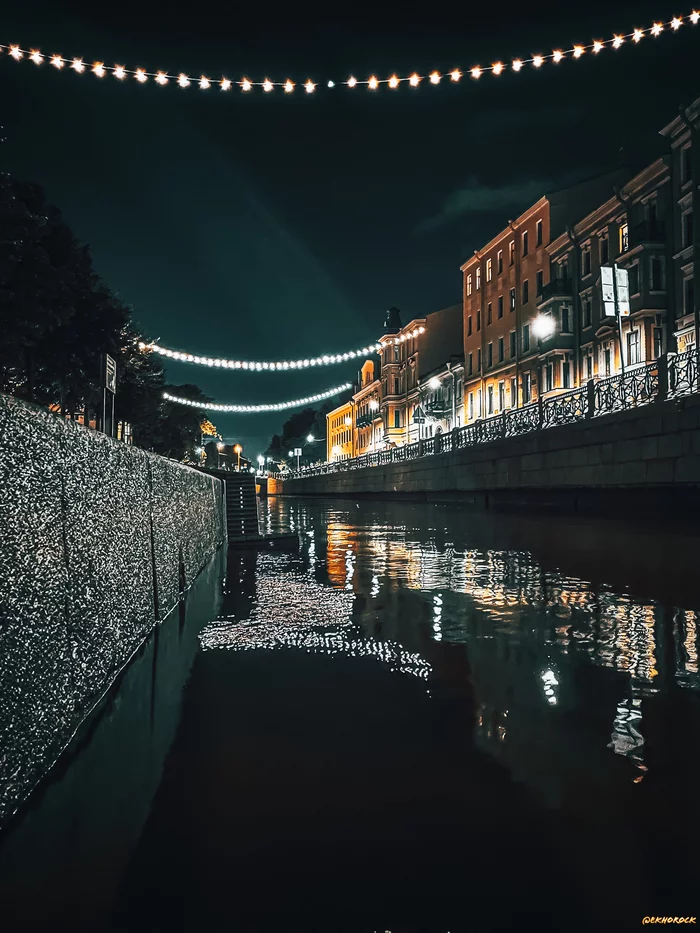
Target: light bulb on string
x,y
557,55
288,86
497,68
16,52
119,72
36,57
517,64
617,42
77,65
393,82
99,69
373,83
161,78
676,23
597,46
476,72
309,87
246,84
435,77
537,61
657,29
694,17
455,74
57,61
225,84
637,35
324,360
141,75
204,83
414,80
267,85
250,409
578,51
183,80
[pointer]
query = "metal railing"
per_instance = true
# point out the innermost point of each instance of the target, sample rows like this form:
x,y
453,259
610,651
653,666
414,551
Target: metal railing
x,y
671,376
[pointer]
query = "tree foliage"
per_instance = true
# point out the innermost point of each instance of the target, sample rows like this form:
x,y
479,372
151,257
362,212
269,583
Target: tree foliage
x,y
58,319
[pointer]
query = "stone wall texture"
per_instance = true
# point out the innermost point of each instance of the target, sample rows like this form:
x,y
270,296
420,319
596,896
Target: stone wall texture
x,y
97,540
648,447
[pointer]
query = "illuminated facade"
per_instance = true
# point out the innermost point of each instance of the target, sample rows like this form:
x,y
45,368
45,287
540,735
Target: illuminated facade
x,y
368,417
340,431
442,398
400,351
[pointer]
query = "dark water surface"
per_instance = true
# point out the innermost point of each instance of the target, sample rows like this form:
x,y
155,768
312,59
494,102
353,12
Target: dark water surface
x,y
428,720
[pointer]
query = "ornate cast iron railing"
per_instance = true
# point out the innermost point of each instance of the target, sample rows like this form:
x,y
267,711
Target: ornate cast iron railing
x,y
670,376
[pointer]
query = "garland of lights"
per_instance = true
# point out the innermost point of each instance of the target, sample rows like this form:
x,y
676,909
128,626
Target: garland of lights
x,y
225,84
249,409
218,363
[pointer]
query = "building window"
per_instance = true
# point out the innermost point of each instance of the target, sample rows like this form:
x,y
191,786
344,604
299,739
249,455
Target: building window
x,y
526,338
489,400
471,406
470,362
499,261
512,345
479,405
604,250
589,366
501,396
478,319
586,311
585,260
512,299
657,274
395,382
469,285
539,232
513,392
469,326
688,229
689,296
397,418
565,322
489,313
607,361
478,278
526,291
501,349
525,243
511,253
548,377
539,282
633,354
566,374
634,279
500,305
686,164
489,355
478,360
527,388
624,237
488,270
658,342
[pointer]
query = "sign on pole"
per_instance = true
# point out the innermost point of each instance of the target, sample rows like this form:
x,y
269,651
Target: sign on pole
x,y
110,374
608,291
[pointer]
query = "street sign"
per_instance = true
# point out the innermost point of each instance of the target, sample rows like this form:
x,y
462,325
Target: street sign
x,y
297,451
608,291
110,374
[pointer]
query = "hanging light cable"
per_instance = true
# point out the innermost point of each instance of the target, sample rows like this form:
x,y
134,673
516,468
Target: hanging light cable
x,y
258,366
162,78
251,409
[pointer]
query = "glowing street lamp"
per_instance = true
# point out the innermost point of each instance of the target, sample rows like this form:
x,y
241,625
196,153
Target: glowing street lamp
x,y
434,383
238,450
543,326
310,438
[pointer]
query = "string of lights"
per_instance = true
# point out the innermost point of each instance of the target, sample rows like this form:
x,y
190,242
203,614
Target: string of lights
x,y
251,409
373,83
257,366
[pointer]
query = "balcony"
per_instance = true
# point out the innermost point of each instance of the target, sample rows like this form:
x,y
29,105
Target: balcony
x,y
365,420
557,288
649,232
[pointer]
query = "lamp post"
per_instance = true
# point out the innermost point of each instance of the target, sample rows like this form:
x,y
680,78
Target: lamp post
x,y
219,448
238,450
261,461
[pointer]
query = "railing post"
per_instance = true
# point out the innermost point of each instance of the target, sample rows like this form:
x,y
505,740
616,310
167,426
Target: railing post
x,y
590,399
662,365
420,447
503,423
540,411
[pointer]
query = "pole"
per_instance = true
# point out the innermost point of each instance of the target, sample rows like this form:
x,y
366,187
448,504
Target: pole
x,y
239,461
112,432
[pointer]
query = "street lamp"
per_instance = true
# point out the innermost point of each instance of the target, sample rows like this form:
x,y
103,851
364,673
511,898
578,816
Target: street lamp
x,y
310,438
238,450
261,460
543,326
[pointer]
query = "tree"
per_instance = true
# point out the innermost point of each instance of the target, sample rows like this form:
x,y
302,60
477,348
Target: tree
x,y
177,431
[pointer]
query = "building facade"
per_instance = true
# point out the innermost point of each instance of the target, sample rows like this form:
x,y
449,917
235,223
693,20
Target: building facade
x,y
368,427
577,341
684,245
340,432
399,355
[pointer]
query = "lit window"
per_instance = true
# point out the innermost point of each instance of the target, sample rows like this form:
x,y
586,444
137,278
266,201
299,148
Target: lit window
x,y
525,243
469,285
488,270
489,399
511,252
512,299
499,260
633,349
624,238
478,278
513,392
539,232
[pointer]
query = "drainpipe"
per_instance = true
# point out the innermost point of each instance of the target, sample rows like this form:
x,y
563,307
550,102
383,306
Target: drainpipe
x,y
518,328
482,283
576,302
454,396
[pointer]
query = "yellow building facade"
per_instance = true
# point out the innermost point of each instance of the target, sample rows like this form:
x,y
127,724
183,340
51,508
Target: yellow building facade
x,y
368,417
340,432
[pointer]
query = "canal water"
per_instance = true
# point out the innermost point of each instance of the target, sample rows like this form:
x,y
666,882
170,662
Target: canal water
x,y
427,719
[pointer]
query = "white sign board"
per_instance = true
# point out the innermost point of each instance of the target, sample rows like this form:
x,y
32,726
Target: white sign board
x,y
297,451
608,291
110,374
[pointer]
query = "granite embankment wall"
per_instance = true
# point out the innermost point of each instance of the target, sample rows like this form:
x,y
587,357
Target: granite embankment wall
x,y
656,447
97,540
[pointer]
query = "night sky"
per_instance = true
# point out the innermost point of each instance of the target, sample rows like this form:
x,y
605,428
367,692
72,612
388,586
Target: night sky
x,y
276,226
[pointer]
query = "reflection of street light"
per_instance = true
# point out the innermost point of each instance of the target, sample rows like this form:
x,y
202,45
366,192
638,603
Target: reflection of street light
x,y
237,451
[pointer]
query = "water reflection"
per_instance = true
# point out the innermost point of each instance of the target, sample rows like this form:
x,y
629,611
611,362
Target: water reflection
x,y
519,617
